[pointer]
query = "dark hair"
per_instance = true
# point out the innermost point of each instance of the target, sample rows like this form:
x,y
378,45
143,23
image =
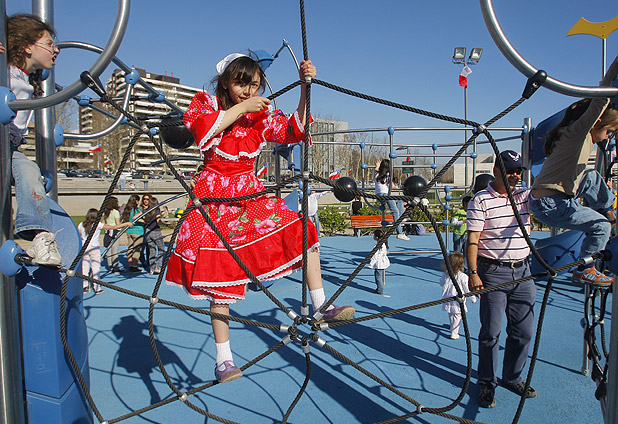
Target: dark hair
x,y
241,70
149,199
111,204
153,213
131,204
456,261
383,171
465,200
22,31
91,218
379,234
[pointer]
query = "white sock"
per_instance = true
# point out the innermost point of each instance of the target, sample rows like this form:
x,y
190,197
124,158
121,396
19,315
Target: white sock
x,y
224,352
318,298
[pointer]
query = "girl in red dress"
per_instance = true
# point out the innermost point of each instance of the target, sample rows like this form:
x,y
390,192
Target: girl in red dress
x,y
231,129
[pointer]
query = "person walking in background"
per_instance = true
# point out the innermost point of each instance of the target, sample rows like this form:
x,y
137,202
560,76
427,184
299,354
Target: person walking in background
x,y
356,206
456,262
312,208
153,237
111,217
383,183
135,234
379,262
459,226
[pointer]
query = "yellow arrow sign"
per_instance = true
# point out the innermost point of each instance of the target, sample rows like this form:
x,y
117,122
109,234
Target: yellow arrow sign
x,y
598,29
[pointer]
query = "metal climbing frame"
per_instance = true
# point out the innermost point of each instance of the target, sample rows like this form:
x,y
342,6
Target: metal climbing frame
x,y
391,148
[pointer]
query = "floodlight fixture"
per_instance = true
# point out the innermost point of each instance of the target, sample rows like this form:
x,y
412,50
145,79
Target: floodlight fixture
x,y
475,55
459,55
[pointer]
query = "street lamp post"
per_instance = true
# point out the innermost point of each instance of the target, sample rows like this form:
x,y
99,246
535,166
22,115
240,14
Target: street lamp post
x,y
459,58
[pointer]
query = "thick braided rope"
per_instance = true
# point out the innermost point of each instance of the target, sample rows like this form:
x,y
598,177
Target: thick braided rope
x,y
407,210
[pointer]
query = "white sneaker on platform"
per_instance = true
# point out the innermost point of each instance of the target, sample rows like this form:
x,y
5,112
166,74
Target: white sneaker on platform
x,y
403,237
44,249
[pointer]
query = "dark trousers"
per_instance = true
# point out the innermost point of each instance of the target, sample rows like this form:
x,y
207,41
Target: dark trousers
x,y
517,302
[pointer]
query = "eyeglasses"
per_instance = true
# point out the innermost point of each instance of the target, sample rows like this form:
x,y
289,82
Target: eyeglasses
x,y
54,49
514,171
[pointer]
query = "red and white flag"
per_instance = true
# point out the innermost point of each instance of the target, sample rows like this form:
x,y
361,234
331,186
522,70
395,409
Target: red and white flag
x,y
463,76
96,148
108,162
334,175
262,171
349,171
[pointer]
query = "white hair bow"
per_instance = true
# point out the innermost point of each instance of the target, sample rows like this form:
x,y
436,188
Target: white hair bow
x,y
227,60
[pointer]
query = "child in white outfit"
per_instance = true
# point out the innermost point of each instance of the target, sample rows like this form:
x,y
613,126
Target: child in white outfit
x,y
380,262
456,261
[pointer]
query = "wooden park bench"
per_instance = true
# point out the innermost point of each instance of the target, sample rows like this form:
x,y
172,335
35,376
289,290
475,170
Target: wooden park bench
x,y
364,222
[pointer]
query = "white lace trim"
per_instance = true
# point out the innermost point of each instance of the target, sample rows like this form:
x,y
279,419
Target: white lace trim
x,y
245,154
204,296
206,142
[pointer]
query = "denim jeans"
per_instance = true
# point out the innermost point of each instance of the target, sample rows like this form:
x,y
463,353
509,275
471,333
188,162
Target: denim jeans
x,y
459,243
156,248
32,206
396,207
316,220
380,275
517,303
563,211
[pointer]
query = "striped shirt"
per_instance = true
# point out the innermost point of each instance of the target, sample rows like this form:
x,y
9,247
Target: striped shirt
x,y
491,213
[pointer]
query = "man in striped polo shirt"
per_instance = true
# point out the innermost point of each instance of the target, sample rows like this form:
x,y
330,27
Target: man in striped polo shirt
x,y
498,253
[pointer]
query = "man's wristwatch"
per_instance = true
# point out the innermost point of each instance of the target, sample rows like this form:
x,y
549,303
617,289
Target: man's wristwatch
x,y
474,271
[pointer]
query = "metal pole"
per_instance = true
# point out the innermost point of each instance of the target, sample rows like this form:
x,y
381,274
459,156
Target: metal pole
x,y
603,57
612,379
12,396
467,180
45,119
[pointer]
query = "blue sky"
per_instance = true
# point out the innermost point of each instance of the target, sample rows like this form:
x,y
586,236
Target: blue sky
x,y
397,50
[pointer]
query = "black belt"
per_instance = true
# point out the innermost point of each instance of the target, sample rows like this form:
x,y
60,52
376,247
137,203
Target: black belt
x,y
517,264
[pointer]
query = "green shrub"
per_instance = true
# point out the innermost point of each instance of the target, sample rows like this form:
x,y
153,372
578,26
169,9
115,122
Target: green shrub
x,y
332,221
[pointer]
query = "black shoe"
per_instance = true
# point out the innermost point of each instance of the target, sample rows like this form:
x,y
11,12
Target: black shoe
x,y
486,396
518,389
134,269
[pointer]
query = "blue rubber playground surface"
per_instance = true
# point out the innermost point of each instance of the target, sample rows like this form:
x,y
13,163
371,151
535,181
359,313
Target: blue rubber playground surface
x,y
411,351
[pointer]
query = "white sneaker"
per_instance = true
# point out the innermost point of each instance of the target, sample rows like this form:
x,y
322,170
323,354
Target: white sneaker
x,y
403,237
44,249
454,336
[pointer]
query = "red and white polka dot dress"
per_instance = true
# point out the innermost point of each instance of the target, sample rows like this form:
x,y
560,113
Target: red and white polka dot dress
x,y
263,232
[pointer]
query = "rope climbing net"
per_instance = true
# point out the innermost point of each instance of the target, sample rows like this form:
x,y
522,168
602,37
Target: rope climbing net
x,y
297,320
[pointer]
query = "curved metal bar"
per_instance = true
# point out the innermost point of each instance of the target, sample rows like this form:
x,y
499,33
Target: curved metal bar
x,y
108,130
122,18
92,48
527,69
